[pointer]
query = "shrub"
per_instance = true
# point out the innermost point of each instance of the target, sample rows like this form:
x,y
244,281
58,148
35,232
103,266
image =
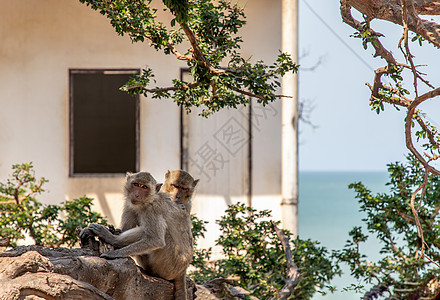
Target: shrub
x,y
401,272
253,255
21,214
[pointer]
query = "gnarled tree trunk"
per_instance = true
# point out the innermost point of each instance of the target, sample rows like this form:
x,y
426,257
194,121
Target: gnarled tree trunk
x,y
34,272
62,273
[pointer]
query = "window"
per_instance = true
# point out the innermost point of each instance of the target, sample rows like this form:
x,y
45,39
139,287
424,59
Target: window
x,y
104,123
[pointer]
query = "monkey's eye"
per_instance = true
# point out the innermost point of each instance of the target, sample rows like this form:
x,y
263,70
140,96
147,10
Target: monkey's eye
x,y
180,187
142,186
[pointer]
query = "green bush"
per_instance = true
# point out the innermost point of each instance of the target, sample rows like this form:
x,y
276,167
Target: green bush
x,y
22,214
253,254
401,272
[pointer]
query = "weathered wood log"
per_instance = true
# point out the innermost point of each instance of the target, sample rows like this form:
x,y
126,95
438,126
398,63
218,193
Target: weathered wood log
x,y
34,272
60,273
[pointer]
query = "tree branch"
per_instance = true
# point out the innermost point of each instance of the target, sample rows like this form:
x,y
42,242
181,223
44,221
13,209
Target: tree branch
x,y
178,55
391,10
404,13
407,53
431,135
166,89
196,50
293,272
379,48
408,123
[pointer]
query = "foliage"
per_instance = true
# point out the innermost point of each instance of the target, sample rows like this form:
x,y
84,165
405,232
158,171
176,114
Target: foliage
x,y
401,272
253,255
203,268
221,76
22,214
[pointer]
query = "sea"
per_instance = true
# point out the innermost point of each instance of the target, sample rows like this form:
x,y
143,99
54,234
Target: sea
x,y
328,210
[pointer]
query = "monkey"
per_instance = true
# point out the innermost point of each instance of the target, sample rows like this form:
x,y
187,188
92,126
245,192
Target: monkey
x,y
179,185
154,230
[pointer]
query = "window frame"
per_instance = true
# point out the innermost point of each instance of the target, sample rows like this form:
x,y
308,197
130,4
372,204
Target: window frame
x,y
73,71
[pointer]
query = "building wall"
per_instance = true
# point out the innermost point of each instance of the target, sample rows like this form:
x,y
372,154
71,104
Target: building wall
x,y
41,40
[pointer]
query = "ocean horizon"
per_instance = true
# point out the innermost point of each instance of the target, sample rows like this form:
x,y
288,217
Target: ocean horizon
x,y
328,210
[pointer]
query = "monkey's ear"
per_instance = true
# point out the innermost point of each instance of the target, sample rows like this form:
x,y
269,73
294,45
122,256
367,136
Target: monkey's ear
x,y
158,186
128,175
167,175
195,182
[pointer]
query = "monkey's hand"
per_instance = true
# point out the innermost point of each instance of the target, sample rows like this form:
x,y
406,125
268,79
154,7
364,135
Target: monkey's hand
x,y
102,232
112,255
85,234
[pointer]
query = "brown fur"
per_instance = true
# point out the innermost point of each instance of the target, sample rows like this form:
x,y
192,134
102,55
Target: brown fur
x,y
154,230
180,185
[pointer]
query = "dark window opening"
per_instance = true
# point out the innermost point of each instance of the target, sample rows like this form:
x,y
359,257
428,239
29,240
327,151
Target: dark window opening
x,y
104,123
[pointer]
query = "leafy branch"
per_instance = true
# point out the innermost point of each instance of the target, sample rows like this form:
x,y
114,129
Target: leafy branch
x,y
221,77
405,13
397,95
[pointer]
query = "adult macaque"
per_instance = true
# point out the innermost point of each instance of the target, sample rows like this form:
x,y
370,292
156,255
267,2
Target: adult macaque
x,y
154,230
180,186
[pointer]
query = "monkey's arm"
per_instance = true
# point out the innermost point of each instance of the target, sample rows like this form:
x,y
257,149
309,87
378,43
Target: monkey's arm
x,y
124,239
144,246
135,241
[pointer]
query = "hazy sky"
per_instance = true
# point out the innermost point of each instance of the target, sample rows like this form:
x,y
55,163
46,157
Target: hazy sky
x,y
348,136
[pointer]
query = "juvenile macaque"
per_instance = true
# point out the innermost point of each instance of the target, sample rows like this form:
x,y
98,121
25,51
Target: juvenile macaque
x,y
154,230
180,186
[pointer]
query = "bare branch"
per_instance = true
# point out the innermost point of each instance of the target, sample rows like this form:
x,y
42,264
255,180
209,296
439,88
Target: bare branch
x,y
391,10
408,123
401,101
403,12
293,273
380,49
419,24
407,53
178,55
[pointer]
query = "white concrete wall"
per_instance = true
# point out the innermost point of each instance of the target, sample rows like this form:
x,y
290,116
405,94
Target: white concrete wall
x,y
39,42
262,36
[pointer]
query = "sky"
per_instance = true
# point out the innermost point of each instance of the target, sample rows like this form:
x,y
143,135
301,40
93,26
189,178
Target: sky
x,y
347,135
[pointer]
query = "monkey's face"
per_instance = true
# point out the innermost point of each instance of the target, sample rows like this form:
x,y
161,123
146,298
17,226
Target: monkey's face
x,y
179,185
139,193
140,188
179,194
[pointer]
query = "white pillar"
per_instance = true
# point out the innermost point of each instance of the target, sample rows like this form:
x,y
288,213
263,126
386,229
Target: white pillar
x,y
289,119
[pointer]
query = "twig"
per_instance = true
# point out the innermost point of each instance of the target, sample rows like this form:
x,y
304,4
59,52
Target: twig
x,y
166,89
407,52
408,123
293,274
178,55
431,135
415,211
